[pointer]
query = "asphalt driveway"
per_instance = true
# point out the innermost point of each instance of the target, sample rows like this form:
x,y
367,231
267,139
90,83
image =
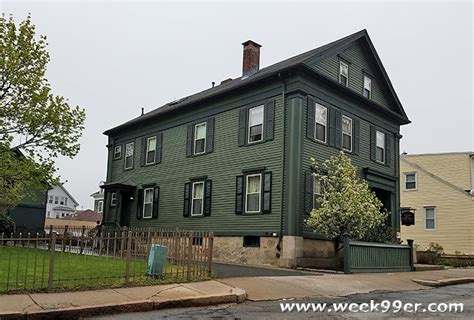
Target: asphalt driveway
x,y
225,270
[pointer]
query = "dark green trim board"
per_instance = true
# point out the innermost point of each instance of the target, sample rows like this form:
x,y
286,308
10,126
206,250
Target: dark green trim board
x,y
293,166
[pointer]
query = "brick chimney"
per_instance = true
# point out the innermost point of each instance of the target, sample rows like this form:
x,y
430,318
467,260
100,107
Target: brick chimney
x,y
251,61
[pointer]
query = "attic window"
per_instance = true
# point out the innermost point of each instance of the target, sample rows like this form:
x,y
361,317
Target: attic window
x,y
367,87
343,73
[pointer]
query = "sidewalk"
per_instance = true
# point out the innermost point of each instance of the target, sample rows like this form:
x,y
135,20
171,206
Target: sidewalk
x,y
88,303
338,285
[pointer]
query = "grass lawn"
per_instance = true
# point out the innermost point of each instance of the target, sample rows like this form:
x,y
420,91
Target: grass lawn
x,y
28,269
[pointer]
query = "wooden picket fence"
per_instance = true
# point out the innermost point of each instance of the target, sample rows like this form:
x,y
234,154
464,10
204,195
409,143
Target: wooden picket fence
x,y
71,258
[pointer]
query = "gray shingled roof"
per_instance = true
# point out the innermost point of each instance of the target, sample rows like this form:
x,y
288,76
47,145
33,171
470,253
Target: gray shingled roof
x,y
239,82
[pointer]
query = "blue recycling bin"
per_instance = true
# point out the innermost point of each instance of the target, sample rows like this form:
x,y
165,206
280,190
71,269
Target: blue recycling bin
x,y
156,260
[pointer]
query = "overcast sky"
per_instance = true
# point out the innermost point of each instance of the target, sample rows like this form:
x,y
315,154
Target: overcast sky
x,y
112,58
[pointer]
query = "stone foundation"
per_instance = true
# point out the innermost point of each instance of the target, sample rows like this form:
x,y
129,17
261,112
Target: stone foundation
x,y
231,249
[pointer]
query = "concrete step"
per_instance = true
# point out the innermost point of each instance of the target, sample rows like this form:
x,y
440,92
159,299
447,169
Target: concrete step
x,y
316,263
428,267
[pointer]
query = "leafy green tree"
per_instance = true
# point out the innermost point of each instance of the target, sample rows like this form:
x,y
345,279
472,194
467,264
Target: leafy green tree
x,y
36,126
347,205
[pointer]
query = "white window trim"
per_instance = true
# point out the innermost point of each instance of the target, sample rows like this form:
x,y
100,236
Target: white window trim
x,y
435,218
125,156
368,89
146,154
341,75
195,140
384,147
144,202
100,206
115,152
113,199
316,122
247,192
405,174
263,125
351,135
193,198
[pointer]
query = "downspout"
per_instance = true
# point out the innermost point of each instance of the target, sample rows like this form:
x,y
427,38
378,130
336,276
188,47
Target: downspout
x,y
280,234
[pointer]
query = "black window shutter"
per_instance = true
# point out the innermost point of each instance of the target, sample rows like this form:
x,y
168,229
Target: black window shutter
x,y
388,148
242,127
332,126
267,192
140,204
356,132
210,135
269,119
189,141
239,194
373,143
156,201
338,138
311,117
187,199
159,146
207,197
143,152
308,191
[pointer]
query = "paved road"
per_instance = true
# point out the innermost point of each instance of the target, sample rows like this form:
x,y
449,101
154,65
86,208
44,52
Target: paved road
x,y
271,309
224,270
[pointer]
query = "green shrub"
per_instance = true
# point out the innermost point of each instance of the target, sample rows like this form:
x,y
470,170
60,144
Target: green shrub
x,y
7,225
381,234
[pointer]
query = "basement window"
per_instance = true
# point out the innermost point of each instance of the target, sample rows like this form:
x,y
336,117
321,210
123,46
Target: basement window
x,y
252,241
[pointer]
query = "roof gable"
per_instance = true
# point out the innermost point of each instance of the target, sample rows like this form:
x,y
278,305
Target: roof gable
x,y
302,59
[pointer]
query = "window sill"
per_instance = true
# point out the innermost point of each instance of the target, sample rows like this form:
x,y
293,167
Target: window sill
x,y
252,213
248,144
409,190
196,216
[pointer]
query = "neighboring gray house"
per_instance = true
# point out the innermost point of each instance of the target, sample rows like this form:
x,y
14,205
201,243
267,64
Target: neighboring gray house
x,y
98,201
60,203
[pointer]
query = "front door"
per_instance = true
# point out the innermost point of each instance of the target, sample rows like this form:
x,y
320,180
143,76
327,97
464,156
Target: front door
x,y
126,208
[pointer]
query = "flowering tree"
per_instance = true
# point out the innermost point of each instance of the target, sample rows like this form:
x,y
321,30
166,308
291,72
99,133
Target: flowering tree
x,y
347,204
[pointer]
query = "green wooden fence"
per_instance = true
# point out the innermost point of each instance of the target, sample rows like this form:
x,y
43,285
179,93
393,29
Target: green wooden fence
x,y
377,257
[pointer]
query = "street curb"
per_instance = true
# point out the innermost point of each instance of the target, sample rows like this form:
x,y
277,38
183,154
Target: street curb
x,y
236,296
444,282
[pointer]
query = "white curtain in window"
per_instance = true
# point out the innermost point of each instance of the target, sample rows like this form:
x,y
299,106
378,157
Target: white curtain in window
x,y
344,69
151,144
321,114
198,190
380,139
129,150
200,131
367,83
346,126
253,184
256,116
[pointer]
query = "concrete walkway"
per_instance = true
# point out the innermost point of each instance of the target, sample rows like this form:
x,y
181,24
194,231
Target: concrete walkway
x,y
88,303
337,285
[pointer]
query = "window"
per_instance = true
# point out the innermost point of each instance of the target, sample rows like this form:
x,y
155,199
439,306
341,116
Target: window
x,y
117,152
65,201
343,73
113,199
430,218
197,203
367,87
321,123
317,192
200,138
50,199
61,200
410,181
129,149
255,133
148,203
150,150
380,147
56,200
100,206
346,133
253,192
251,241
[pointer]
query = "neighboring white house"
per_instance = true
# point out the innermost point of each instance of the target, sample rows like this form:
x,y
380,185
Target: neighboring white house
x,y
98,201
60,203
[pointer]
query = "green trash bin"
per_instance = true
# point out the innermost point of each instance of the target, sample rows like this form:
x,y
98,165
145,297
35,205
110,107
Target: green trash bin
x,y
156,260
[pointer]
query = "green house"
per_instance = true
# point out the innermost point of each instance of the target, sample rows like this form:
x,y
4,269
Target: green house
x,y
235,158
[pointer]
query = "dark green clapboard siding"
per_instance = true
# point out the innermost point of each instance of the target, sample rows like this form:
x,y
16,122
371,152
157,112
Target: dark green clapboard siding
x,y
358,63
221,166
322,152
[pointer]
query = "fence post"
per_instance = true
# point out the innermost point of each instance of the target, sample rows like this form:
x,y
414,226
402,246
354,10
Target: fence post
x,y
412,253
50,233
347,253
209,257
128,257
64,238
189,257
52,246
83,239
